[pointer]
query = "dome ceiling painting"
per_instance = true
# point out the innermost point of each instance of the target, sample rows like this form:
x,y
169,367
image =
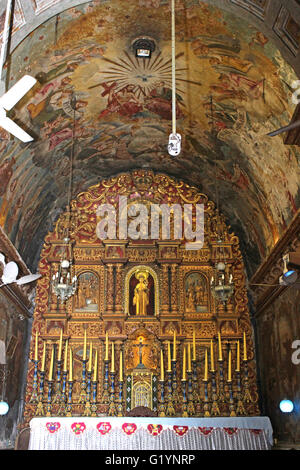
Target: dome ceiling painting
x,y
233,87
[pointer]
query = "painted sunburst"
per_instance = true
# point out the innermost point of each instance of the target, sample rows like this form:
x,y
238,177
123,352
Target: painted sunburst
x,y
142,75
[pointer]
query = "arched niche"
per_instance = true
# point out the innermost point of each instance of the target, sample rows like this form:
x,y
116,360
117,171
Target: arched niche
x,y
196,292
86,298
131,284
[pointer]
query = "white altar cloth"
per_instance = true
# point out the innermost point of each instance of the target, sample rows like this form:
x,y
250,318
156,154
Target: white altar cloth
x,y
126,433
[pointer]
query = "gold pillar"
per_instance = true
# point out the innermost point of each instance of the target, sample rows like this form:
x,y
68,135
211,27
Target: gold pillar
x,y
53,298
165,289
118,289
174,305
110,289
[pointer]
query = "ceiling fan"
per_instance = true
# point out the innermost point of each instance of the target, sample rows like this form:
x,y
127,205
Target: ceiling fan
x,y
290,273
16,93
290,127
11,271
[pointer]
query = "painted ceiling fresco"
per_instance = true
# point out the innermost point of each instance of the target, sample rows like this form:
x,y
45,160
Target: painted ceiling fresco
x,y
233,87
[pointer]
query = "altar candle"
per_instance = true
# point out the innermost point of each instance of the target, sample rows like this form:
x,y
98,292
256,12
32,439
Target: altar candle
x,y
189,358
84,347
184,364
90,358
194,345
245,347
43,358
121,366
60,346
51,364
174,346
36,347
238,367
212,362
162,375
95,366
229,366
169,357
106,346
112,357
70,366
66,356
206,367
220,347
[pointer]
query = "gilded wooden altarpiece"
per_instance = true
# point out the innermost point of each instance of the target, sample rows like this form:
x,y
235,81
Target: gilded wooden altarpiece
x,y
182,300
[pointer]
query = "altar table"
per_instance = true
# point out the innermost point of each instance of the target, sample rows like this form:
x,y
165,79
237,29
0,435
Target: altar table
x,y
112,433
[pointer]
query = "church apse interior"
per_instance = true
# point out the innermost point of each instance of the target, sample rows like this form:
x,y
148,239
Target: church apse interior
x,y
148,328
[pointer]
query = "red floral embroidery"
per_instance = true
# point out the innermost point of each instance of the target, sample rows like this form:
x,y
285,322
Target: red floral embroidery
x,y
155,429
230,431
180,430
52,427
205,431
78,428
129,428
103,428
256,431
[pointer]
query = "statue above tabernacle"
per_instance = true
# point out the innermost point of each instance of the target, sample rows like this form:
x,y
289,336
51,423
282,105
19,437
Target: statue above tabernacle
x,y
141,293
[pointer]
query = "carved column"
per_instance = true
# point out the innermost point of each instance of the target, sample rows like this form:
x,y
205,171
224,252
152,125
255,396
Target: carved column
x,y
165,289
110,289
174,305
53,299
118,294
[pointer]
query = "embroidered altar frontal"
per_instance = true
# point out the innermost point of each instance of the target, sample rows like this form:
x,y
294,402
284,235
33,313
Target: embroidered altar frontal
x,y
152,328
108,433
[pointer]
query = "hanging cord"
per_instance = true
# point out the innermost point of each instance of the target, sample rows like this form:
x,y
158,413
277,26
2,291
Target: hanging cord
x,y
222,238
173,71
73,106
212,134
174,146
5,36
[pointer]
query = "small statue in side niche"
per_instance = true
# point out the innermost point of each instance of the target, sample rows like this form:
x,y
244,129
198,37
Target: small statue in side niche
x,y
190,297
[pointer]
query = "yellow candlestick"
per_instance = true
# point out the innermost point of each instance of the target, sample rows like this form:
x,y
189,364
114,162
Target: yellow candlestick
x,y
238,366
36,347
84,347
212,362
51,364
194,345
189,358
162,374
174,346
112,358
229,366
169,357
220,347
95,366
184,364
206,367
121,366
66,356
245,347
90,358
106,346
43,358
70,366
60,346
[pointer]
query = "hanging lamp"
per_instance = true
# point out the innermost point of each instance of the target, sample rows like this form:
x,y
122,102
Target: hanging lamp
x,y
64,285
221,283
